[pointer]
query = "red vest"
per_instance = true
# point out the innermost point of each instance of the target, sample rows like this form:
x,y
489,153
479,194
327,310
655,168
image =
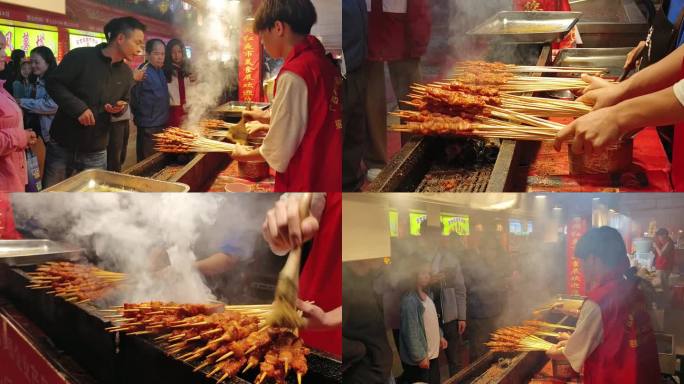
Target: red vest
x,y
321,277
7,230
678,153
317,164
628,353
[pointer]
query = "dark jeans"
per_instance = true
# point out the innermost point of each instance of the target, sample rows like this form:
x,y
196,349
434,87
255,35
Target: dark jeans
x,y
144,144
414,373
354,129
118,145
453,351
479,331
61,163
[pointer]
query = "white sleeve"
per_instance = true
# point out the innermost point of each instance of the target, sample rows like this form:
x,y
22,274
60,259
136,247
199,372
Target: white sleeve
x,y
679,91
587,336
289,114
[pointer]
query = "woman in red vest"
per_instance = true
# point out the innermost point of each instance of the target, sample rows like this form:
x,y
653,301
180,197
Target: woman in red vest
x,y
613,340
653,96
304,141
320,280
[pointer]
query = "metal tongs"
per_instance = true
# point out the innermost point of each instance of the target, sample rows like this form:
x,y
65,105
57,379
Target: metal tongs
x,y
635,60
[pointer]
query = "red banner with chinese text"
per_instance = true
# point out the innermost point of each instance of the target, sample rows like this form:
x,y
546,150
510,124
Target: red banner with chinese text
x,y
575,284
21,362
249,68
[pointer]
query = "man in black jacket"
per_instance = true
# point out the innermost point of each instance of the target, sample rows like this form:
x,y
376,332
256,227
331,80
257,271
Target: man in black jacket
x,y
90,86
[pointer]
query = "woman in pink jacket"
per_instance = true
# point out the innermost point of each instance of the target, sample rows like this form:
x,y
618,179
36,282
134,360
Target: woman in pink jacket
x,y
13,138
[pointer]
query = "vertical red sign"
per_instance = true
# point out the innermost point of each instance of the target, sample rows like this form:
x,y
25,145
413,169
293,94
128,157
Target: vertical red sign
x,y
249,68
575,284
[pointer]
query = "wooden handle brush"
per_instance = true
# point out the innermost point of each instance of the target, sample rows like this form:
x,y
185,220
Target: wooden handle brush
x,y
284,310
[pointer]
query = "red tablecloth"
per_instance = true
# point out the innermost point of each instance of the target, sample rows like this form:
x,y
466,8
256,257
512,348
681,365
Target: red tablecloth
x,y
650,170
231,175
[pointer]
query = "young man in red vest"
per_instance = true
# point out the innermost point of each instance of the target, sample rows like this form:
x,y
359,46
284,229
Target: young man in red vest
x,y
652,97
614,340
304,142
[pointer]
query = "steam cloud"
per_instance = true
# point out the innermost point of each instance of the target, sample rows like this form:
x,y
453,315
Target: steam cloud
x,y
128,231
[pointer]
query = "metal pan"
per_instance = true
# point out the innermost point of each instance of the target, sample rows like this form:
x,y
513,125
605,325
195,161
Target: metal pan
x,y
35,251
611,58
97,180
527,27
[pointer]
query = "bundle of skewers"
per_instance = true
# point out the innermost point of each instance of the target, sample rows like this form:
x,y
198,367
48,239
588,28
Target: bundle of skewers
x,y
230,339
525,338
481,101
214,124
508,79
485,66
79,283
177,140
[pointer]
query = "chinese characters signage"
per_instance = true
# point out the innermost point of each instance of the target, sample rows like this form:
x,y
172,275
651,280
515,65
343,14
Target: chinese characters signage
x,y
78,41
26,39
575,285
249,68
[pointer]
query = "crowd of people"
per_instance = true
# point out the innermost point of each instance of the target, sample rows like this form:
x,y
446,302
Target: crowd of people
x,y
77,112
437,294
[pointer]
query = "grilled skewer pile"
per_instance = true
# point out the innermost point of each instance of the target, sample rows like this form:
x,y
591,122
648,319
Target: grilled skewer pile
x,y
228,339
78,283
524,338
177,140
480,101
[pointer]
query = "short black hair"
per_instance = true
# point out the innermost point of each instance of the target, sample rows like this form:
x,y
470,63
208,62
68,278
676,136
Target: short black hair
x,y
604,243
662,232
120,25
300,15
149,46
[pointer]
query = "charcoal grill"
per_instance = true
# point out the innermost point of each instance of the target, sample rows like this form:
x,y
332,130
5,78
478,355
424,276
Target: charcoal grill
x,y
79,330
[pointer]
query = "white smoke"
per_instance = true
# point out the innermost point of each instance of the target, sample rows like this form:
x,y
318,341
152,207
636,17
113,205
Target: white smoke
x,y
214,58
131,234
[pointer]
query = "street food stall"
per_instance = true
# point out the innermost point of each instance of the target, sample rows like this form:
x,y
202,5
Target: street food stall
x,y
519,158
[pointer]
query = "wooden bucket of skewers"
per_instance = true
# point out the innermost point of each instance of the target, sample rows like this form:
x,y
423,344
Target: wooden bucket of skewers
x,y
615,158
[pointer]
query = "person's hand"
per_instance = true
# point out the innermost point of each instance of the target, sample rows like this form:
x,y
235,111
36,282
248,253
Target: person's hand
x,y
31,137
591,132
87,118
461,327
254,127
600,93
139,74
425,363
284,229
443,343
115,109
255,115
556,351
240,151
193,77
633,54
314,316
564,336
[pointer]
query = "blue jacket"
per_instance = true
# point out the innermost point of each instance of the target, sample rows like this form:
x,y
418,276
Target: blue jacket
x,y
43,106
150,99
412,339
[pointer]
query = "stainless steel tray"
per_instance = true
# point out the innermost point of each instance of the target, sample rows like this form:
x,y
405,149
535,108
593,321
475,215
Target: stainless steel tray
x,y
235,108
97,180
35,251
527,27
611,58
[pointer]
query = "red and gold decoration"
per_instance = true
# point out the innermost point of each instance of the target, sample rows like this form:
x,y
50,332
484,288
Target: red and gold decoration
x,y
249,67
577,226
